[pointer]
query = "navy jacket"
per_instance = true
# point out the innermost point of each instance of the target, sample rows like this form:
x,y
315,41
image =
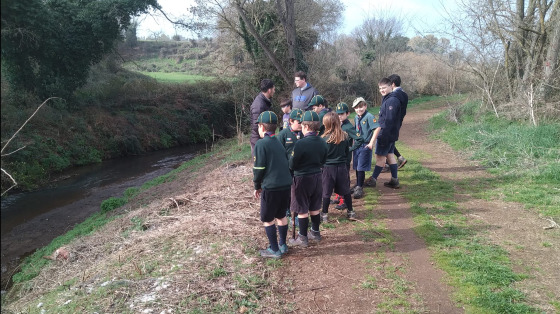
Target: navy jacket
x,y
389,119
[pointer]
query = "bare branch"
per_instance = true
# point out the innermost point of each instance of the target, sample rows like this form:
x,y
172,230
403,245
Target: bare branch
x,y
11,138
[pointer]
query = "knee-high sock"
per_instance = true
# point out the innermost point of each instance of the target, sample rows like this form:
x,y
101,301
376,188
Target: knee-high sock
x,y
303,225
283,233
376,171
272,238
394,170
348,201
360,178
315,222
326,203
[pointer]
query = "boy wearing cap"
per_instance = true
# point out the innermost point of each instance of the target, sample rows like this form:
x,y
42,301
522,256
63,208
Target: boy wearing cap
x,y
307,159
272,181
319,105
365,125
286,107
289,136
386,134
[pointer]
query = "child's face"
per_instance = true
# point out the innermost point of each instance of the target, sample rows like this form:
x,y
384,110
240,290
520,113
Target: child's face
x,y
343,116
304,129
385,89
261,130
286,109
295,125
317,109
361,109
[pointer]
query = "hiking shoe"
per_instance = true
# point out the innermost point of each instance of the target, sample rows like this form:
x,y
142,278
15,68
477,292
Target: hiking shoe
x,y
353,189
386,169
351,214
394,183
341,206
283,249
314,235
371,182
269,253
401,161
324,218
299,241
334,201
359,193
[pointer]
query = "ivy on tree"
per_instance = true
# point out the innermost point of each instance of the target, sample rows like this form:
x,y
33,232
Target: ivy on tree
x,y
49,46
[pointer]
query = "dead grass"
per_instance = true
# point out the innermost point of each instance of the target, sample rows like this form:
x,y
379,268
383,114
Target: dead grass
x,y
175,252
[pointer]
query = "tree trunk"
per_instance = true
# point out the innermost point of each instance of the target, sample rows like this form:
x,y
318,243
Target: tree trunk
x,y
288,22
264,46
551,61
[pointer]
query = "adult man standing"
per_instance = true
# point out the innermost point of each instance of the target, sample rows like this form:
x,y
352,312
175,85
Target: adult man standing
x,y
261,104
304,92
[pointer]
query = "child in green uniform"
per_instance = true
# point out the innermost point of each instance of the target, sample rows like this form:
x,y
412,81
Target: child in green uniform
x,y
272,180
308,157
289,136
319,105
365,124
335,171
355,141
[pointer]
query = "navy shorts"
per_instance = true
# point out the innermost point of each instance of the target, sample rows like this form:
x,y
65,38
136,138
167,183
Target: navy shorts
x,y
384,150
362,158
336,177
307,193
274,204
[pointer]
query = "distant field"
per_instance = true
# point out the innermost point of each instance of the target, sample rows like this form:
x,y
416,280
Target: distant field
x,y
177,77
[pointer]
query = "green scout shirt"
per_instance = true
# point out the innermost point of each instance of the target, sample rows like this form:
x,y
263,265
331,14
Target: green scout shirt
x,y
355,139
309,155
270,169
288,138
365,125
338,154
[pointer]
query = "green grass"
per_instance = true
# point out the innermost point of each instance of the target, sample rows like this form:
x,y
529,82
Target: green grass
x,y
480,271
177,77
524,160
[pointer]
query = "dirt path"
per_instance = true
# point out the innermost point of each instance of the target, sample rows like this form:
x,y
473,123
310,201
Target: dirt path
x,y
353,272
357,275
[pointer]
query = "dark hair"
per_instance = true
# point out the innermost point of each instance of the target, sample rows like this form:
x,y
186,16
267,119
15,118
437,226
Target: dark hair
x,y
385,81
266,84
313,126
394,78
286,102
269,127
301,75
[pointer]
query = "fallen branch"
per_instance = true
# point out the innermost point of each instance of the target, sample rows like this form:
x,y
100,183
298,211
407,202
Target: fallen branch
x,y
552,226
175,201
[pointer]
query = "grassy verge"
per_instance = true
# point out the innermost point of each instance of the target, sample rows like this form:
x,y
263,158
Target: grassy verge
x,y
480,271
32,265
177,77
524,159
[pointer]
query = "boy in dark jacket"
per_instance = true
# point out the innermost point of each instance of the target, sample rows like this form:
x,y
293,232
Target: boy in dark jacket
x,y
272,180
260,104
386,134
308,157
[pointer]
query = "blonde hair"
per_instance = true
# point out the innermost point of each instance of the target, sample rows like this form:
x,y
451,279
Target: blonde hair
x,y
333,129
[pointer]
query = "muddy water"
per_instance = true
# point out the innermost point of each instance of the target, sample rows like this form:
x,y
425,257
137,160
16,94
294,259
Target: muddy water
x,y
33,219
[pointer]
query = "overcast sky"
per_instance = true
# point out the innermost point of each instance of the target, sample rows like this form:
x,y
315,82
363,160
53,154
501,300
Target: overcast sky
x,y
423,15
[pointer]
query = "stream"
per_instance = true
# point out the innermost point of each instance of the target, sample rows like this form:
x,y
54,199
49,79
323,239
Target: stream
x,y
31,220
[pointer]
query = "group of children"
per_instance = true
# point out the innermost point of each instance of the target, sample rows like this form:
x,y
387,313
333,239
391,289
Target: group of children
x,y
310,159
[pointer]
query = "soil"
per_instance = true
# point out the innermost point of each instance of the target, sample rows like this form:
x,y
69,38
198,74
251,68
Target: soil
x,y
340,260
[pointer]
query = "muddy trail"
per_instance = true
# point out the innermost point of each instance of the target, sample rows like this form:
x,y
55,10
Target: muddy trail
x,y
357,275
